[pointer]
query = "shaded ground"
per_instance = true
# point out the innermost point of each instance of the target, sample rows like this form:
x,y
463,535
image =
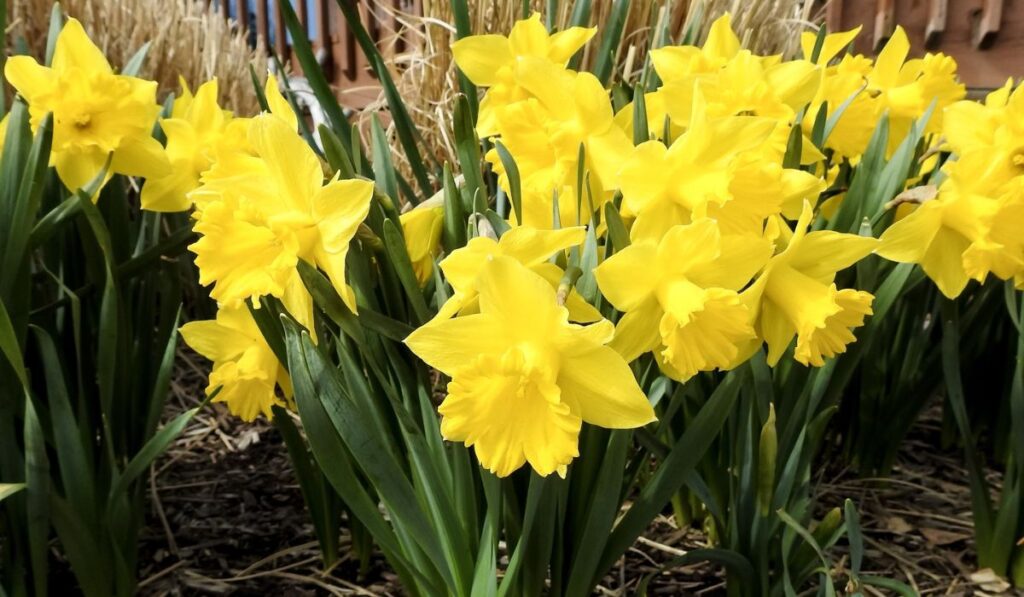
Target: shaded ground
x,y
227,517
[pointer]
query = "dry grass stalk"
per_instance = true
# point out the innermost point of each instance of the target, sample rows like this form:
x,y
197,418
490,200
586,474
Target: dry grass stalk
x,y
186,38
426,75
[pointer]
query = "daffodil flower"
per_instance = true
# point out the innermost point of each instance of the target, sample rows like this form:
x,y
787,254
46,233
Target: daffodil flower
x,y
680,297
250,378
716,169
796,295
421,227
531,248
490,61
263,213
524,379
198,129
96,113
906,88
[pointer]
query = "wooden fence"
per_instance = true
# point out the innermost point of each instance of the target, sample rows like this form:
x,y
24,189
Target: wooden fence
x,y
985,36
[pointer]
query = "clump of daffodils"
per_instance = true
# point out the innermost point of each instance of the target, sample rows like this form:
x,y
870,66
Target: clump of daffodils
x,y
725,249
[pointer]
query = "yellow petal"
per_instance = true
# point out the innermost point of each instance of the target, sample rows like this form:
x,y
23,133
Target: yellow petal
x,y
480,57
566,43
825,252
278,105
77,167
602,384
890,60
777,331
522,299
292,164
629,277
943,262
74,50
453,343
636,332
908,240
140,156
215,341
530,245
529,37
722,41
339,208
30,78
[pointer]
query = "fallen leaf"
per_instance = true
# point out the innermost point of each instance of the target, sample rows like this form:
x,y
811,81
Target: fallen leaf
x,y
987,580
941,537
897,525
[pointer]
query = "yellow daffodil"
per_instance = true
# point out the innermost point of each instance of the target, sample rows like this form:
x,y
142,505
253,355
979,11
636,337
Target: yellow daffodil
x,y
831,46
198,130
906,88
995,128
524,379
680,297
531,248
250,378
544,134
716,169
96,113
796,295
938,233
675,63
491,60
265,212
421,227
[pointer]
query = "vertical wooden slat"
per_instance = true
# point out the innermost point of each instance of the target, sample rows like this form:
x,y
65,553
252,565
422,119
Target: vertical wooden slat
x,y
300,11
243,14
885,22
322,36
987,26
833,15
225,7
262,31
937,11
280,32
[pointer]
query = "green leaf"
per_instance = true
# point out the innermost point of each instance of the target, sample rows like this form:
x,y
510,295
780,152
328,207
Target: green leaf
x,y
326,523
512,174
399,113
9,489
335,462
395,245
10,348
56,25
314,74
37,490
534,496
153,448
26,205
467,147
383,168
854,536
611,36
670,475
312,374
133,67
602,508
335,152
616,228
76,474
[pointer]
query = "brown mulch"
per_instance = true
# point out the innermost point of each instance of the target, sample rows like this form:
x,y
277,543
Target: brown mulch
x,y
226,517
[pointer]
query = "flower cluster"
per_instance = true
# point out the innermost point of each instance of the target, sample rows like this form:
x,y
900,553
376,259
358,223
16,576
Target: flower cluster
x,y
718,196
973,226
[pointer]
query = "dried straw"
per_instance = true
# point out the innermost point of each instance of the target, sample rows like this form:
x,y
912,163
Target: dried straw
x,y
186,38
426,76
